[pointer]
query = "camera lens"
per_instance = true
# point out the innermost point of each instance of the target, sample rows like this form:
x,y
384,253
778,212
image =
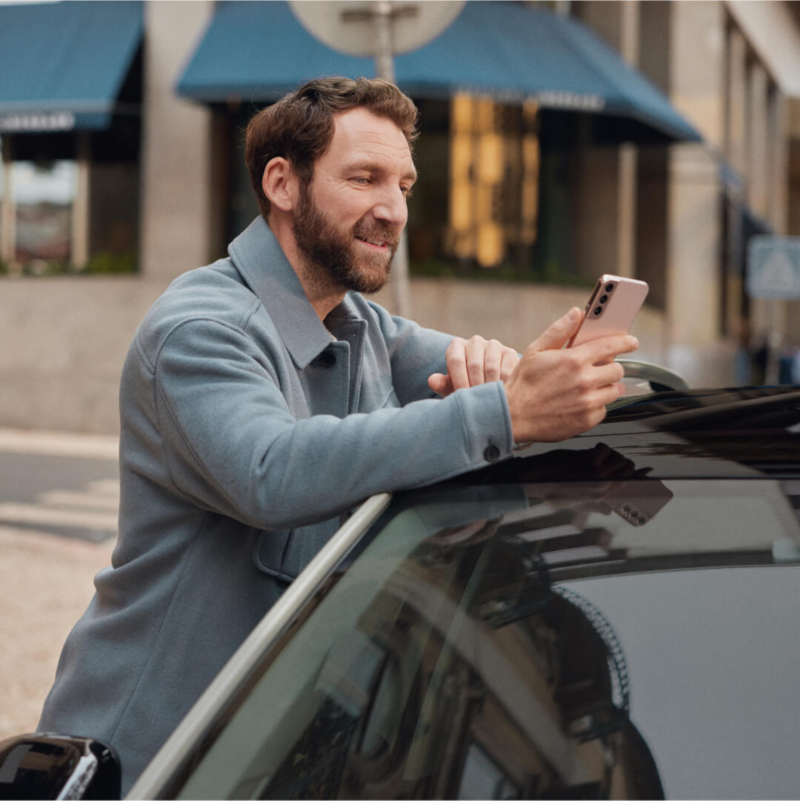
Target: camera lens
x,y
603,298
610,288
598,310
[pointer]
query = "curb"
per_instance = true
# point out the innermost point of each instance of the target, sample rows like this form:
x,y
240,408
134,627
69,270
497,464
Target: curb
x,y
57,443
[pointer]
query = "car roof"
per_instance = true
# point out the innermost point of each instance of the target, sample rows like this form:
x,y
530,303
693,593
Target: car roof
x,y
745,432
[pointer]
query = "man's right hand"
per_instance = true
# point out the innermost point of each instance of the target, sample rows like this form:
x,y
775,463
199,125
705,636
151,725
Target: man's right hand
x,y
555,393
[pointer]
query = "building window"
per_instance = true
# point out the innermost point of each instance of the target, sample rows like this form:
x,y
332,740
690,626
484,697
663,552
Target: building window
x,y
69,202
44,197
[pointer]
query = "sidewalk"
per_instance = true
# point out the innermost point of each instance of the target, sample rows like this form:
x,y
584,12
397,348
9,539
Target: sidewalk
x,y
46,583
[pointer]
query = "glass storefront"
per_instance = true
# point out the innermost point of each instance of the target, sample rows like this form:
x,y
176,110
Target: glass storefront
x,y
69,199
44,196
72,202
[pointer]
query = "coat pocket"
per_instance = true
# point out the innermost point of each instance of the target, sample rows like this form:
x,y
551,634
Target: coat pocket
x,y
284,554
269,553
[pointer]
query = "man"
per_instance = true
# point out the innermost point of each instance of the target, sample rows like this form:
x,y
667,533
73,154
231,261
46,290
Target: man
x,y
263,397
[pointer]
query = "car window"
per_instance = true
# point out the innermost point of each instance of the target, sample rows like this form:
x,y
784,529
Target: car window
x,y
456,656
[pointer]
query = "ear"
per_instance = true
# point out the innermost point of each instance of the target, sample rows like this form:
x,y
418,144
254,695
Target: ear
x,y
280,184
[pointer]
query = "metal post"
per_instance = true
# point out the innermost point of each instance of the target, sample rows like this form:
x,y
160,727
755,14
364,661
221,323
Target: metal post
x,y
384,68
774,342
384,63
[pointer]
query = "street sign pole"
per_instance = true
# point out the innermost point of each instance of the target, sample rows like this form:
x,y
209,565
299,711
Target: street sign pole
x,y
384,63
384,68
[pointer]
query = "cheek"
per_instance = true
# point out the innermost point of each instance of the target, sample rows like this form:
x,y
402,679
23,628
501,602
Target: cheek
x,y
350,207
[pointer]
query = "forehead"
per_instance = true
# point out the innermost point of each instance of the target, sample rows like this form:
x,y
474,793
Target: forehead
x,y
360,134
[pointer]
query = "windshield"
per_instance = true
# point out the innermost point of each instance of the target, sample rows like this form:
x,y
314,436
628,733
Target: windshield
x,y
516,641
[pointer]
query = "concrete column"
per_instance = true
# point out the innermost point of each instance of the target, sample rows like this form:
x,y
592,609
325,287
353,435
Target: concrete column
x,y
778,168
736,108
791,111
7,232
177,226
697,76
693,247
694,225
606,192
80,223
758,140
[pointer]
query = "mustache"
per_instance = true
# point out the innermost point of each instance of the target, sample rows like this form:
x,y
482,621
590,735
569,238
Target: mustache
x,y
377,231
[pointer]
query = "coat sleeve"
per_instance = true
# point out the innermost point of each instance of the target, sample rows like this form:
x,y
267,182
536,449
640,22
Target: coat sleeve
x,y
414,352
233,446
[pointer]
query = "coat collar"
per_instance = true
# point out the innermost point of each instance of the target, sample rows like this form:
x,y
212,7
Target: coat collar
x,y
263,265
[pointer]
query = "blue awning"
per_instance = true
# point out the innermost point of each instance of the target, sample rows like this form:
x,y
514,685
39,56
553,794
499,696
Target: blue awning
x,y
256,51
62,64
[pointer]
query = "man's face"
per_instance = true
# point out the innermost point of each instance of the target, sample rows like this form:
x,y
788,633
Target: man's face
x,y
348,220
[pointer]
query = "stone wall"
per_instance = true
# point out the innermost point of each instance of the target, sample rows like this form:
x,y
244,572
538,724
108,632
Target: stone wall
x,y
66,339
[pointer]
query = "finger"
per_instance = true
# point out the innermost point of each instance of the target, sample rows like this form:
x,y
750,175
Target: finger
x,y
606,395
560,332
598,416
476,350
604,350
457,363
611,373
492,361
440,384
509,361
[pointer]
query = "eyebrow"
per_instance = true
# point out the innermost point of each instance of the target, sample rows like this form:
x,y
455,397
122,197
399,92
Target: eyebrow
x,y
372,166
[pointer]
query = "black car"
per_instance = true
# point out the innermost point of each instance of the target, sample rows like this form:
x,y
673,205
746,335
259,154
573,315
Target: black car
x,y
614,616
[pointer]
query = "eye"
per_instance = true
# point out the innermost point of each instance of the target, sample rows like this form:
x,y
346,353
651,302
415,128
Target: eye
x,y
362,180
407,191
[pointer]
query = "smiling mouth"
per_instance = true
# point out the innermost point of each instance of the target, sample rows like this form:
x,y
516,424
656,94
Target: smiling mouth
x,y
380,243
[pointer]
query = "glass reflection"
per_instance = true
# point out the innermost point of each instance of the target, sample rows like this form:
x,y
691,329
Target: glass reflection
x,y
446,658
442,664
44,194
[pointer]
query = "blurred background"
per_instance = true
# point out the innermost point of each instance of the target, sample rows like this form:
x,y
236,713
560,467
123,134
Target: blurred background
x,y
559,140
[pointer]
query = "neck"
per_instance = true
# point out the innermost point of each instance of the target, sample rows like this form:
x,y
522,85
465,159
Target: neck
x,y
322,291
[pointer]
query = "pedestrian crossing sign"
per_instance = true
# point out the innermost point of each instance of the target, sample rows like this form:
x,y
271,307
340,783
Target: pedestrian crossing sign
x,y
773,267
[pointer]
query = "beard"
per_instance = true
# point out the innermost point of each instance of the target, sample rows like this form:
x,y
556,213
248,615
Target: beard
x,y
333,249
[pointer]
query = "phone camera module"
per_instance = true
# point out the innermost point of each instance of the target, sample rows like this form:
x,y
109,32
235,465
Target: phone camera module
x,y
598,311
603,298
609,287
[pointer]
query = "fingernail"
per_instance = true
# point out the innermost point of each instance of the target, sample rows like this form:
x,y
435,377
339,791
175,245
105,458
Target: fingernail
x,y
634,342
573,314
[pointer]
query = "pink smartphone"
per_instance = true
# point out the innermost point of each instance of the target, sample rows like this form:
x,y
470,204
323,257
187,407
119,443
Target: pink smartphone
x,y
611,309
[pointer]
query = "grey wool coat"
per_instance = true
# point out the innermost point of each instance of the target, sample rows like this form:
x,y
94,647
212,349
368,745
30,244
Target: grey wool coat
x,y
247,430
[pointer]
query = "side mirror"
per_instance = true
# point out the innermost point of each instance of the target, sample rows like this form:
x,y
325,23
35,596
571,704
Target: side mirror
x,y
53,766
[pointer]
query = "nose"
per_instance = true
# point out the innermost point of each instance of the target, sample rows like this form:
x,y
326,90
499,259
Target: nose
x,y
392,208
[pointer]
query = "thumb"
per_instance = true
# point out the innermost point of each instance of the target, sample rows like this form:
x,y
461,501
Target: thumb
x,y
560,332
440,384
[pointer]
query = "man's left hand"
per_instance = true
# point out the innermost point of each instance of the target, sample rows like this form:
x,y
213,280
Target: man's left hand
x,y
471,362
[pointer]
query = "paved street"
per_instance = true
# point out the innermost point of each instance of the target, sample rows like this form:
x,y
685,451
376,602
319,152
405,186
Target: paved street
x,y
59,495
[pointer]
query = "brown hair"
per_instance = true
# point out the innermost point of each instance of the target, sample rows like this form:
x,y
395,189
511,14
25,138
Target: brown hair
x,y
299,126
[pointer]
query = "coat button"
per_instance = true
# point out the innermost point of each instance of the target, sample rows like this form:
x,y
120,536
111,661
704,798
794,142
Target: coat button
x,y
492,453
327,358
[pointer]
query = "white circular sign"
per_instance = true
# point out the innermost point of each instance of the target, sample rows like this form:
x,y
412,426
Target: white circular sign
x,y
349,25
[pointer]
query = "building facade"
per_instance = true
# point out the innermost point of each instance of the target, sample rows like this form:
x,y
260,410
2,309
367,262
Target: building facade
x,y
521,204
